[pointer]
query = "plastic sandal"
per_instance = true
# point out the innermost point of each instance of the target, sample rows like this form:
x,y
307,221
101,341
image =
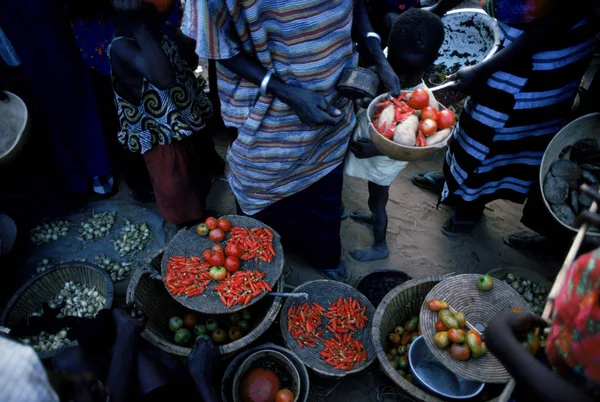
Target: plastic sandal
x,y
434,181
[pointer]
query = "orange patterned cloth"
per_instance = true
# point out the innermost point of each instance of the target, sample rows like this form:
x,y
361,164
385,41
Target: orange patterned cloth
x,y
573,345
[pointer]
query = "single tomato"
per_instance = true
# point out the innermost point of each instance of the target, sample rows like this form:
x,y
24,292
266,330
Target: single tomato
x,y
456,335
428,127
201,229
440,327
232,263
206,254
210,223
211,325
217,235
224,224
437,305
429,113
235,333
219,335
485,282
461,318
445,119
217,248
259,385
217,273
190,320
216,259
441,339
460,351
234,250
418,99
284,395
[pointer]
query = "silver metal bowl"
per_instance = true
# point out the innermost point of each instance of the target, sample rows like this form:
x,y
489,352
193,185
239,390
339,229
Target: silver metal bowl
x,y
431,375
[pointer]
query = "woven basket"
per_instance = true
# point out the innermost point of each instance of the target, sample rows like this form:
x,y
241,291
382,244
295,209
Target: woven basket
x,y
397,306
326,292
157,304
43,287
187,243
480,307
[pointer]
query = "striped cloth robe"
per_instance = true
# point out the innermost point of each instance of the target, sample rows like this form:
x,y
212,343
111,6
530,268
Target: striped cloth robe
x,y
505,127
306,43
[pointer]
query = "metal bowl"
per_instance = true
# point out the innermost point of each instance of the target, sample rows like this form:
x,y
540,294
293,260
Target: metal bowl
x,y
587,126
15,127
471,36
431,375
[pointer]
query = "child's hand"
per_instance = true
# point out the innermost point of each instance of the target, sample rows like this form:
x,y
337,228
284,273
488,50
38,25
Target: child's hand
x,y
364,149
388,76
469,79
508,325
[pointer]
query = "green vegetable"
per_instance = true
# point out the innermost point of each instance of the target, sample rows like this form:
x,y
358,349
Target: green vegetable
x,y
182,337
212,325
200,329
175,323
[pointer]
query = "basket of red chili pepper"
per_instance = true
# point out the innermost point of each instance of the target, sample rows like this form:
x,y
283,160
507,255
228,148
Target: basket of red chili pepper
x,y
225,273
331,330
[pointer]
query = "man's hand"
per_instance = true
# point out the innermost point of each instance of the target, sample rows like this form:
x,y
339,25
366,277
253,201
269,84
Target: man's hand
x,y
469,79
364,149
312,108
508,325
129,319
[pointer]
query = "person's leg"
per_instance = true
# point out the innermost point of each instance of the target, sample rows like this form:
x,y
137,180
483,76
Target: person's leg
x,y
464,218
378,198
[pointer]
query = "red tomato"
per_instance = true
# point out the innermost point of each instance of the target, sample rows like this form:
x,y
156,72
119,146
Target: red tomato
x,y
206,254
217,235
217,248
201,229
418,99
232,263
460,351
440,327
210,223
259,385
216,259
285,395
427,127
217,273
429,113
445,119
224,224
233,250
190,320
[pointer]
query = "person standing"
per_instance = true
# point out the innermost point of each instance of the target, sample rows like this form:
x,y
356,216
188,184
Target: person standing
x,y
520,98
279,64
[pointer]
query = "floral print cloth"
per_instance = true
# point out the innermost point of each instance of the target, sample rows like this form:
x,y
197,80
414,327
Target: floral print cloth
x,y
573,345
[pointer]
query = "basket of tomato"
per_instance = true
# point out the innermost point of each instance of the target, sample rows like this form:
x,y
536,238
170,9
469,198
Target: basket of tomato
x,y
410,127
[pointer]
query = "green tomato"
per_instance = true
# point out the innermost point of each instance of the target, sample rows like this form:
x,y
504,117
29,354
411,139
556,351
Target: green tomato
x,y
182,337
394,364
411,325
200,329
203,336
244,324
485,282
212,325
175,323
403,363
246,315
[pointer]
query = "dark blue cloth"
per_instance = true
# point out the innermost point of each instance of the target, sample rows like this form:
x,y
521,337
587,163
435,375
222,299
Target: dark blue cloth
x,y
61,89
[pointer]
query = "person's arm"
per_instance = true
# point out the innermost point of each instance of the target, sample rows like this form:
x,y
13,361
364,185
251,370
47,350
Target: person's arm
x,y
373,53
535,378
122,370
201,366
546,30
312,108
186,45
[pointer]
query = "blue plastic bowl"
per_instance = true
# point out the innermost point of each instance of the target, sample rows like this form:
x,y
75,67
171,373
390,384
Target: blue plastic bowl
x,y
431,375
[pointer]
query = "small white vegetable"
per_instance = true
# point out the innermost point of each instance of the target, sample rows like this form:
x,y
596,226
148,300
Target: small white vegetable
x,y
438,137
406,132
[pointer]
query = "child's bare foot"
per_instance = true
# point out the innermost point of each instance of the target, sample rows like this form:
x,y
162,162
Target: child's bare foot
x,y
362,216
375,252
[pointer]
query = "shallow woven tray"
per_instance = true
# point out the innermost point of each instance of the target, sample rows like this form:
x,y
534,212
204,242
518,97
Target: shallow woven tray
x,y
326,292
480,308
188,243
153,299
43,287
227,383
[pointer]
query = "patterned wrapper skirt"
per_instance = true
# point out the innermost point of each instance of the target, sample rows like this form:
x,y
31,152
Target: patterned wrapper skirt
x,y
497,148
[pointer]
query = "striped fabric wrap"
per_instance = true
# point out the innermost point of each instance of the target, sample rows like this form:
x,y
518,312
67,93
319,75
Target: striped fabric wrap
x,y
506,126
306,43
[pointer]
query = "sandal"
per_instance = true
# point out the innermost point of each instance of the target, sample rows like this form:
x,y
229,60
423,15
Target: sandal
x,y
432,181
454,227
526,240
339,274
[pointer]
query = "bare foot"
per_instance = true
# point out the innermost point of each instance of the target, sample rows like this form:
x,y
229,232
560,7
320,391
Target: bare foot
x,y
375,252
362,216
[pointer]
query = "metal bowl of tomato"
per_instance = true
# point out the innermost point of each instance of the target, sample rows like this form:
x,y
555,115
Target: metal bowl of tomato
x,y
432,376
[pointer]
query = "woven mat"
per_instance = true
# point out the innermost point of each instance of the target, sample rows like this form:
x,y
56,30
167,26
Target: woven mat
x,y
480,308
326,292
188,243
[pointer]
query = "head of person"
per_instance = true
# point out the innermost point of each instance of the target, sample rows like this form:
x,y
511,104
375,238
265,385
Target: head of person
x,y
161,9
414,42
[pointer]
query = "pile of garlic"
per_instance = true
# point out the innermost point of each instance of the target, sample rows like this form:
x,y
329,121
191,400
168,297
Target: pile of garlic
x,y
45,342
99,225
132,238
118,270
79,301
50,231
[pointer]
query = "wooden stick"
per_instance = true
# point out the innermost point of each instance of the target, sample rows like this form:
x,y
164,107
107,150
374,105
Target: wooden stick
x,y
556,287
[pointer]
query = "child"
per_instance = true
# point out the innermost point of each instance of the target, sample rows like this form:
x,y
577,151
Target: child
x,y
413,45
161,104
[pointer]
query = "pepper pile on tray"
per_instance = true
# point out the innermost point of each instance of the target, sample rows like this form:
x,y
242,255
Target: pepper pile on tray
x,y
343,352
346,315
241,287
303,323
187,276
256,243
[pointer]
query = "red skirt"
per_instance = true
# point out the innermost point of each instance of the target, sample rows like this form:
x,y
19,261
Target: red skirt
x,y
180,182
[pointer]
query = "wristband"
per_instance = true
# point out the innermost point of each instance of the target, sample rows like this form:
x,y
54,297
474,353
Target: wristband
x,y
265,83
374,35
